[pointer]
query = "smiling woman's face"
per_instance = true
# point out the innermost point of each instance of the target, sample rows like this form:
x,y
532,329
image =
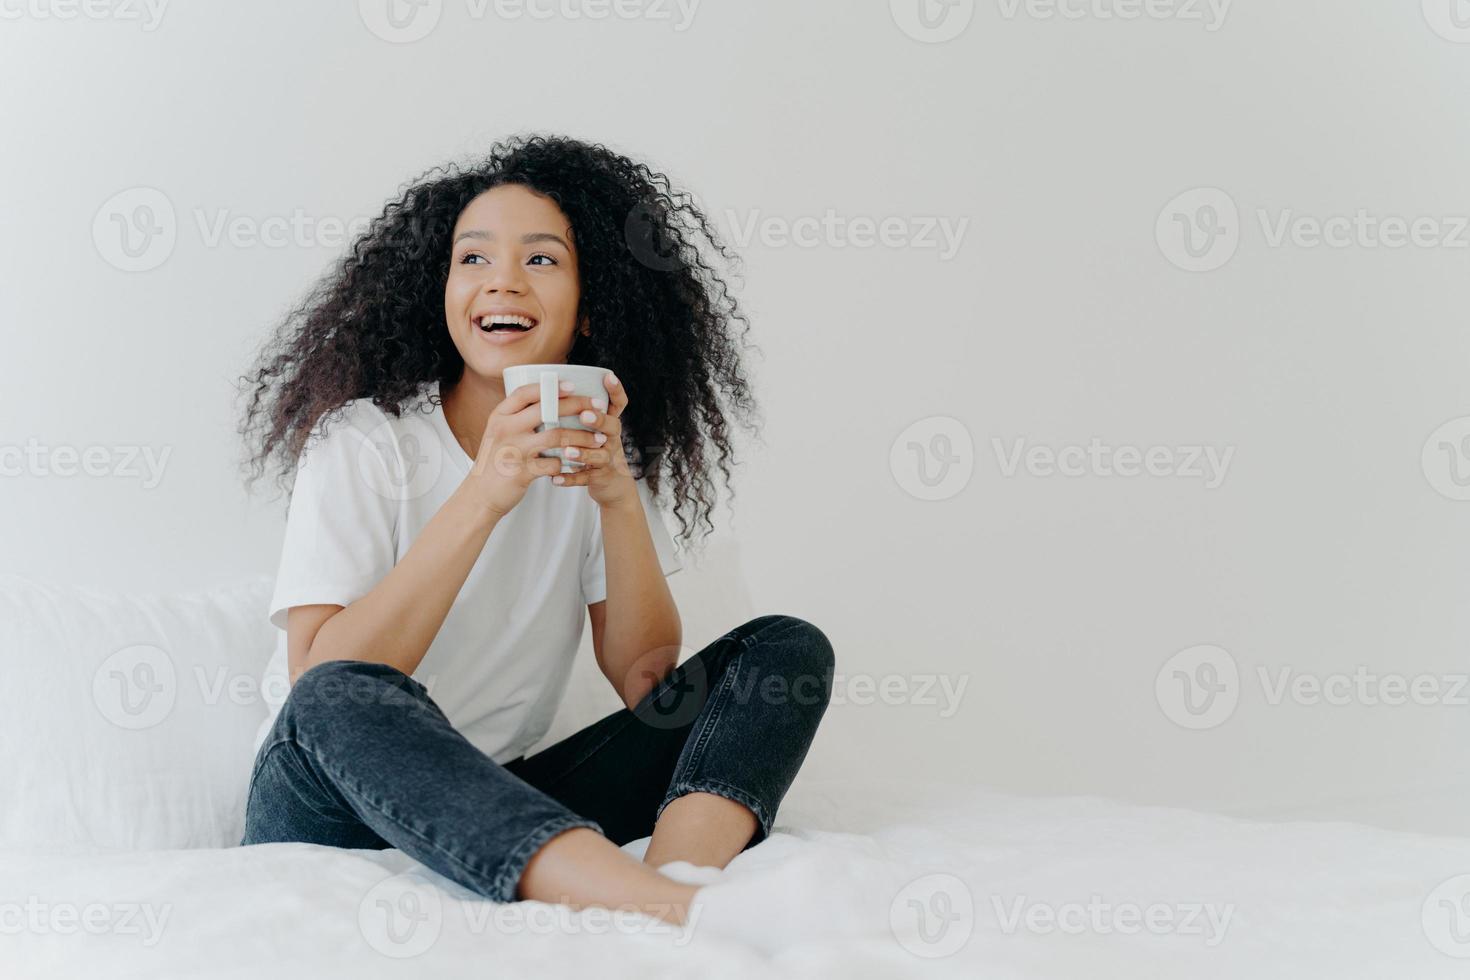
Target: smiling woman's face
x,y
513,254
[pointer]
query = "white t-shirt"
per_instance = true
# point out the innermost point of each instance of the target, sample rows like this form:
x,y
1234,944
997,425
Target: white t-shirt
x,y
499,664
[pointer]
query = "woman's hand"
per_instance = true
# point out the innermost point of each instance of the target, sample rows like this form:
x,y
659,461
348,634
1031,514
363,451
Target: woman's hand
x,y
605,474
509,455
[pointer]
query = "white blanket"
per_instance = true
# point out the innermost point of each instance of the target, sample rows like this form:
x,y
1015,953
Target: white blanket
x,y
998,886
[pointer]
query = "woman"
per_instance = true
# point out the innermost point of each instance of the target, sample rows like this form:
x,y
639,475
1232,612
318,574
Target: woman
x,y
428,541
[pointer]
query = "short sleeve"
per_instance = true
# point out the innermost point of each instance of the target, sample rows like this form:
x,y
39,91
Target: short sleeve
x,y
340,528
594,566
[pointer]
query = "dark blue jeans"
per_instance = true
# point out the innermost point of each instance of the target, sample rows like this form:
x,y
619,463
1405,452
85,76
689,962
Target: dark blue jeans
x,y
361,757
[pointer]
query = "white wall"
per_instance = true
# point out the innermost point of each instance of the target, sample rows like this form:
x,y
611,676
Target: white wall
x,y
1056,144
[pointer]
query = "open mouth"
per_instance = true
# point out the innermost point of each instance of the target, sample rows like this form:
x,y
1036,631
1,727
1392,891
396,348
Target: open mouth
x,y
498,323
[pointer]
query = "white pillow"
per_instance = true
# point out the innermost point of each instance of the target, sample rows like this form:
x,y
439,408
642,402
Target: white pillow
x,y
127,721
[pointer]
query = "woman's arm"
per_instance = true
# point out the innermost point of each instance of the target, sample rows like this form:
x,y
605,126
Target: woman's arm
x,y
397,621
637,633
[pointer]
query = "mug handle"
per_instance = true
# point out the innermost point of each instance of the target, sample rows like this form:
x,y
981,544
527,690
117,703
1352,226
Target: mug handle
x,y
550,399
550,417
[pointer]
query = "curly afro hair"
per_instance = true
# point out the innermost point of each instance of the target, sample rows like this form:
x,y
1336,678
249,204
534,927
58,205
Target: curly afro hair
x,y
664,320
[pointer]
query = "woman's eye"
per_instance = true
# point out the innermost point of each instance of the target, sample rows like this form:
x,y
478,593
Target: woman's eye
x,y
467,259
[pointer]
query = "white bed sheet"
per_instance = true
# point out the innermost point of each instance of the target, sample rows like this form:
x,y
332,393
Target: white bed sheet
x,y
1302,899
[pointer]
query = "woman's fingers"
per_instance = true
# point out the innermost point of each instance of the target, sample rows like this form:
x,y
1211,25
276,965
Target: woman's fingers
x,y
525,405
592,457
519,398
617,398
562,438
604,422
528,396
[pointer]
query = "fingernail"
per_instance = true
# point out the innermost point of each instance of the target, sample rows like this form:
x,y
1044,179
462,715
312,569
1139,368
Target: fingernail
x,y
600,404
567,386
601,438
588,416
613,378
558,480
572,451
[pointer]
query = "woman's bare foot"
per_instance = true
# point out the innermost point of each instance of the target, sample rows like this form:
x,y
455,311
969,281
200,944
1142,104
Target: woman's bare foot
x,y
581,868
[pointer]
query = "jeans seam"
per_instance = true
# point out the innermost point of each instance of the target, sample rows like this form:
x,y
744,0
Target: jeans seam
x,y
714,706
316,784
260,759
749,638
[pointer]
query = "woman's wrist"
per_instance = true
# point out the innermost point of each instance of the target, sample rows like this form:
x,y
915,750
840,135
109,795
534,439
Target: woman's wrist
x,y
628,501
471,496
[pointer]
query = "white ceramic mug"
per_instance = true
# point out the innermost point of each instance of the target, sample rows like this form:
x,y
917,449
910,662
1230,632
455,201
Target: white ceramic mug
x,y
586,380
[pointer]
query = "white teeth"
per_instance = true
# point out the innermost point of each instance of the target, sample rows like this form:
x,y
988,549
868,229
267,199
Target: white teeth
x,y
505,318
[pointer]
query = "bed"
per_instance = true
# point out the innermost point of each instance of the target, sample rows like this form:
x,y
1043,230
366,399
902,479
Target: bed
x,y
117,856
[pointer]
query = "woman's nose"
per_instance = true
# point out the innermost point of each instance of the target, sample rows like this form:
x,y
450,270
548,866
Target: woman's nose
x,y
505,276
